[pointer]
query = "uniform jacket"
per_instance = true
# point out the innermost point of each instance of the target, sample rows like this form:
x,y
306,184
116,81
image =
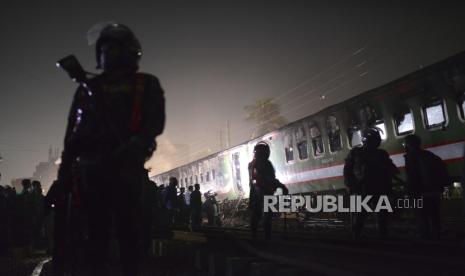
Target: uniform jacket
x,y
122,112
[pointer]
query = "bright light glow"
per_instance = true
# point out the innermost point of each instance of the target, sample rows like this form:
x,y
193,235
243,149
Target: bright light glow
x,y
457,185
435,115
407,124
382,130
356,138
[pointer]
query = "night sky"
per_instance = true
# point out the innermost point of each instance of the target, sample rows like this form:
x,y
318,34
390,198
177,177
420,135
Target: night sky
x,y
212,59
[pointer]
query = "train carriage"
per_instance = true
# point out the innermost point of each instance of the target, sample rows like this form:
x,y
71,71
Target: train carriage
x,y
309,154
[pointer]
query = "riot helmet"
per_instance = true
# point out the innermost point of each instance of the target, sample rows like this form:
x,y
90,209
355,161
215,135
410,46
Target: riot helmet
x,y
115,46
412,143
262,150
371,138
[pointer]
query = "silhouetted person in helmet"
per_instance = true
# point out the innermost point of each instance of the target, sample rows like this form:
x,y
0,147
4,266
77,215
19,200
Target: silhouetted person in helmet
x,y
262,182
111,131
368,171
426,178
196,205
171,200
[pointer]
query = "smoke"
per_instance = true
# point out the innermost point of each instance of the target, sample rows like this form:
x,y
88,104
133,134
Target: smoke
x,y
162,158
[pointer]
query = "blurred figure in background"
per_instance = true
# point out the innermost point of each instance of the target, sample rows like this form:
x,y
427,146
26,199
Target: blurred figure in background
x,y
196,205
427,177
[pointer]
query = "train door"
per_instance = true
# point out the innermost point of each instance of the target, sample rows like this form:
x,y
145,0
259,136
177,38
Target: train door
x,y
236,170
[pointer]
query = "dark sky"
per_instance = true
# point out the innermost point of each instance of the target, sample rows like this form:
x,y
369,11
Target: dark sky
x,y
213,59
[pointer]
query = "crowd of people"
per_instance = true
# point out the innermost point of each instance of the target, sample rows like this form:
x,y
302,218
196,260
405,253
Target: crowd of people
x,y
23,217
184,209
28,216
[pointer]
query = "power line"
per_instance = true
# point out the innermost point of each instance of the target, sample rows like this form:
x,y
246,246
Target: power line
x,y
331,80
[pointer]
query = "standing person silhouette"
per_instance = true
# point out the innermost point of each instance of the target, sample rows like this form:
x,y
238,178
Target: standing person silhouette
x,y
112,126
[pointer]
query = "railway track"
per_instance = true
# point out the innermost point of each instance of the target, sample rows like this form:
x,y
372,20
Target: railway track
x,y
231,251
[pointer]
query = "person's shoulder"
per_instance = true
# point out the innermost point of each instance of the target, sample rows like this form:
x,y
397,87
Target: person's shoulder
x,y
148,77
430,155
357,149
382,152
269,164
152,83
354,152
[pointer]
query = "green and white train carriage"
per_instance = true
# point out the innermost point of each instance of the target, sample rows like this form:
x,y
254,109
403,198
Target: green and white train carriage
x,y
309,154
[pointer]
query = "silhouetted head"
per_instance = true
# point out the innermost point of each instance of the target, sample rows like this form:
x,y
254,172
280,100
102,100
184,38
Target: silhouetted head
x,y
261,151
190,188
37,186
116,47
182,190
371,138
197,187
26,183
173,181
412,143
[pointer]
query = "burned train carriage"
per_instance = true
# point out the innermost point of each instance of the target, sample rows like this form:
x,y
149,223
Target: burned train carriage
x,y
309,154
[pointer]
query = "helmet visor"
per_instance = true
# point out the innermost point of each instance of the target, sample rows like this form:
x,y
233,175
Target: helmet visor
x,y
93,34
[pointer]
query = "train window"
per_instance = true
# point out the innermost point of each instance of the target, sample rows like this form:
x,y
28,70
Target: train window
x,y
404,123
196,179
462,109
379,125
191,180
288,149
301,138
334,134
434,115
201,178
317,141
185,181
207,177
213,174
355,136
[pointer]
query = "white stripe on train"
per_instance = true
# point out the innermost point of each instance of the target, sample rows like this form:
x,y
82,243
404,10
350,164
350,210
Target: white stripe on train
x,y
446,152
